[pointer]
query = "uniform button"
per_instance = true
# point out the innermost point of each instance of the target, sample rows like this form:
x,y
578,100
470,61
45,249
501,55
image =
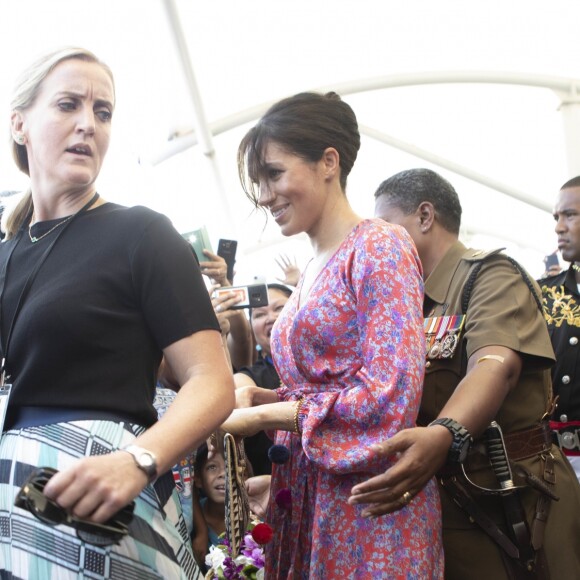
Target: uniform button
x,y
563,418
428,364
573,341
565,379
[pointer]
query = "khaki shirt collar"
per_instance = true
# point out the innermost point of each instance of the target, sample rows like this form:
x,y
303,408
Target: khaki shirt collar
x,y
437,284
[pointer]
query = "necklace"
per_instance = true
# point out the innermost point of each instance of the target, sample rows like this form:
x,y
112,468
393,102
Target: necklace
x,y
34,239
575,267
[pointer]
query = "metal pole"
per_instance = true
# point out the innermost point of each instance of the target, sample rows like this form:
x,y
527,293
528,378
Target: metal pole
x,y
203,134
455,167
570,109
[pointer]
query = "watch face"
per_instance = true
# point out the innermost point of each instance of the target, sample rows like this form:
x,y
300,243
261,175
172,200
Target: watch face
x,y
146,460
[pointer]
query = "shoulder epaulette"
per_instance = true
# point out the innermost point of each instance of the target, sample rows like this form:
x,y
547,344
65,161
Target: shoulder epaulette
x,y
480,255
477,258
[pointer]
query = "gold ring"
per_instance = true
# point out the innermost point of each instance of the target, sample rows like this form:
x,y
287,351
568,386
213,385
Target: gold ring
x,y
407,497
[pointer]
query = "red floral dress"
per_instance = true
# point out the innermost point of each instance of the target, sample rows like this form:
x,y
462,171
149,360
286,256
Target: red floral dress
x,y
354,349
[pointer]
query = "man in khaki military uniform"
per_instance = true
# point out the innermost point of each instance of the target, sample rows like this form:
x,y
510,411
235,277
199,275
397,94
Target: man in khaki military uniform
x,y
489,356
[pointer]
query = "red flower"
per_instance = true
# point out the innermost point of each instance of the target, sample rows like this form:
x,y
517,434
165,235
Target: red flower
x,y
262,533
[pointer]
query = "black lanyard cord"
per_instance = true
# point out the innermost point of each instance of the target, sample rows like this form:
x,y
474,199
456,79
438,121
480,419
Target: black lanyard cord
x,y
31,276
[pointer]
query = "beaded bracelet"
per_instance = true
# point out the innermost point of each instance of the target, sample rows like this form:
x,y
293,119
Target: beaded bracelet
x,y
297,414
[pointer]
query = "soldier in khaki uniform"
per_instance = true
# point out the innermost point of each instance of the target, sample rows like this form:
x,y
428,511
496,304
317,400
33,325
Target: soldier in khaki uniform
x,y
489,356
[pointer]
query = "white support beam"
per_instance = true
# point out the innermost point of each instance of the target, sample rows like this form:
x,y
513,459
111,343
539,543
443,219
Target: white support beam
x,y
570,109
567,89
455,167
202,131
201,127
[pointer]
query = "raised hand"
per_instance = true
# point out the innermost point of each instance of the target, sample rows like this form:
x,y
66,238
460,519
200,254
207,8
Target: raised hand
x,y
290,270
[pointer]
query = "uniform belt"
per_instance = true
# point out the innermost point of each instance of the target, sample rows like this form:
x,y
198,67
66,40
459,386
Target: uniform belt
x,y
519,445
567,435
529,442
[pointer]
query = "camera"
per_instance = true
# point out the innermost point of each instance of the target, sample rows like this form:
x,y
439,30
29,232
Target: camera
x,y
252,296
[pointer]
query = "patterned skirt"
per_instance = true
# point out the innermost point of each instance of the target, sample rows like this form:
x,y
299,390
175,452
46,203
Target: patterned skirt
x,y
157,546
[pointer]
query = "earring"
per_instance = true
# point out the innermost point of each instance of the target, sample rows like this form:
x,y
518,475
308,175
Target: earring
x,y
19,138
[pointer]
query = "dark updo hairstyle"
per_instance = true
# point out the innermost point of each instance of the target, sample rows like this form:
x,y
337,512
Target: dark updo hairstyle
x,y
304,125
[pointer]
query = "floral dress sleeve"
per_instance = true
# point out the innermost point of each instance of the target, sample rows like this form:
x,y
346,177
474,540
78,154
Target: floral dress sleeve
x,y
355,350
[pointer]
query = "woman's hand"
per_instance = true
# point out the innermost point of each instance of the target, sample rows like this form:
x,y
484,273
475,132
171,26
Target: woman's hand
x,y
258,489
290,270
215,444
215,268
245,397
95,488
222,305
252,395
243,422
422,452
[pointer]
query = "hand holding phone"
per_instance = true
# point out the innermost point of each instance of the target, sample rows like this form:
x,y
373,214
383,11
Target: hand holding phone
x,y
199,240
227,251
552,264
252,296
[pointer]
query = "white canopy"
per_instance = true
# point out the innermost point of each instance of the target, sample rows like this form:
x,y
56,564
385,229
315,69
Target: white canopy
x,y
484,93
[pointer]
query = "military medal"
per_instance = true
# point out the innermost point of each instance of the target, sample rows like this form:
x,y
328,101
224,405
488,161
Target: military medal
x,y
442,335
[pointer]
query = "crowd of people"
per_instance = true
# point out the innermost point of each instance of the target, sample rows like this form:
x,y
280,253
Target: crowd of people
x,y
409,406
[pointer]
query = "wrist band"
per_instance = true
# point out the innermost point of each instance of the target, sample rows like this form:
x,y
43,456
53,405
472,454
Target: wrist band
x,y
296,415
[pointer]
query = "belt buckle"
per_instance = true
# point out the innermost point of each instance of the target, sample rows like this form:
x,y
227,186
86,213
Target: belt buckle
x,y
568,439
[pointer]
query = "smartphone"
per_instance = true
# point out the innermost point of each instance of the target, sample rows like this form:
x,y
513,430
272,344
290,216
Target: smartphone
x,y
551,260
252,296
227,250
199,240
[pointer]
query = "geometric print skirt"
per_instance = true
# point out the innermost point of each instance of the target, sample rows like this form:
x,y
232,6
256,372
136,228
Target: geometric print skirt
x,y
157,547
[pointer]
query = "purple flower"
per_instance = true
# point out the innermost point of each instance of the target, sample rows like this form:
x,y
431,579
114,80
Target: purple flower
x,y
231,570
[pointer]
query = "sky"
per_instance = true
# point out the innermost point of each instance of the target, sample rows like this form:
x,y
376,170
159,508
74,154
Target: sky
x,y
252,53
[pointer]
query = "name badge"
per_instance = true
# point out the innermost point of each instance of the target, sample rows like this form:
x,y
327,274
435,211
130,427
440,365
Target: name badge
x,y
442,335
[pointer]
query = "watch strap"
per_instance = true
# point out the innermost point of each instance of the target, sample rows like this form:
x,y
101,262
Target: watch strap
x,y
145,460
462,439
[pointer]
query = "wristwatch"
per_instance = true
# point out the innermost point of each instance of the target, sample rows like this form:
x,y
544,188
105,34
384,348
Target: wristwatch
x,y
145,460
462,439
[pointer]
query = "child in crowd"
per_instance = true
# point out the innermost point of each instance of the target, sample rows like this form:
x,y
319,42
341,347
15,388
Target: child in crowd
x,y
209,477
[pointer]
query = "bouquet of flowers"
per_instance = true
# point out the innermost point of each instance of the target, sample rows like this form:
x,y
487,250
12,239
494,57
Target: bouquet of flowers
x,y
249,564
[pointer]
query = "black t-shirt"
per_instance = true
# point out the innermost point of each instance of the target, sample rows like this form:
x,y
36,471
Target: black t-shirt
x,y
264,374
119,285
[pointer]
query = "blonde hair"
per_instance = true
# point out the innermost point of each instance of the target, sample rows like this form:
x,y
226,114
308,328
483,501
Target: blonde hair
x,y
25,92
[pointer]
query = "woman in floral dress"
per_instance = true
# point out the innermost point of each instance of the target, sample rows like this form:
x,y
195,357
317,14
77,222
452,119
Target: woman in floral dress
x,y
349,349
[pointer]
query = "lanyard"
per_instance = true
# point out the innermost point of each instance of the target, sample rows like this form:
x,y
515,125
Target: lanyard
x,y
28,282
